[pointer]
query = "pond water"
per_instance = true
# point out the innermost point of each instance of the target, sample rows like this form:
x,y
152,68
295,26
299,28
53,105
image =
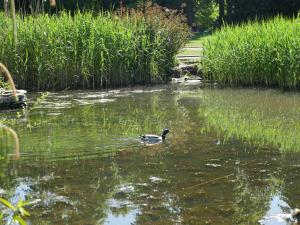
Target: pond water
x,y
82,163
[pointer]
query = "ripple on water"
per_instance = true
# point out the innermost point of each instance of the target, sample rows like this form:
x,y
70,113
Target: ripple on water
x,y
94,101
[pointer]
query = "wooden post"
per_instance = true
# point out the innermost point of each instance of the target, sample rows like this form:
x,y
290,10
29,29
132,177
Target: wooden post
x,y
221,12
13,15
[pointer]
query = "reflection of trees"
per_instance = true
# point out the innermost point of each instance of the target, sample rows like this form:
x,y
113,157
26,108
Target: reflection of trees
x,y
252,197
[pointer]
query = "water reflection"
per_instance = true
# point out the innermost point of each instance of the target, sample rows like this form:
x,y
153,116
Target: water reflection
x,y
84,164
279,212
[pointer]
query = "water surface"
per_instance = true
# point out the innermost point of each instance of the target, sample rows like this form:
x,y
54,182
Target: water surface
x,y
83,163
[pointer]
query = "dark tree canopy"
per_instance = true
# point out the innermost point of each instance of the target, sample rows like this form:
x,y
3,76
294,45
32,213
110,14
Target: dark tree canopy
x,y
231,11
241,10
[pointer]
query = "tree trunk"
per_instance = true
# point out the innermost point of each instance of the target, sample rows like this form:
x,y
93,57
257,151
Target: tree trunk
x,y
190,11
221,12
13,15
6,7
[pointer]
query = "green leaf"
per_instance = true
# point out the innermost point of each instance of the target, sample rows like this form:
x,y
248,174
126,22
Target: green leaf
x,y
24,212
20,220
7,204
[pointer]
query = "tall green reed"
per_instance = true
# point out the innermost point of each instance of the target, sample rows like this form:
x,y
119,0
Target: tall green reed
x,y
263,53
87,51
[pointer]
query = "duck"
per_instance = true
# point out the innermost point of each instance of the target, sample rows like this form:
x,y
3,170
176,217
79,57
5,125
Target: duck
x,y
151,139
296,214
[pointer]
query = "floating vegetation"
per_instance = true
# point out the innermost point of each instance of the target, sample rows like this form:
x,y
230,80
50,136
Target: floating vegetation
x,y
263,118
263,53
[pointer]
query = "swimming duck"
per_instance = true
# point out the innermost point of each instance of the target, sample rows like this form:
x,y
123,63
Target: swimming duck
x,y
154,139
296,214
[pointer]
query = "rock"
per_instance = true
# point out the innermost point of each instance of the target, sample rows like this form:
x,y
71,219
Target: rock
x,y
185,72
191,69
176,72
8,100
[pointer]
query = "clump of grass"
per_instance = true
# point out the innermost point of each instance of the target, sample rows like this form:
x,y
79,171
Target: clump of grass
x,y
87,51
262,118
257,53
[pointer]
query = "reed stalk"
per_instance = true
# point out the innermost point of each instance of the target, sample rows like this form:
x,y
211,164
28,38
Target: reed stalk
x,y
15,137
9,78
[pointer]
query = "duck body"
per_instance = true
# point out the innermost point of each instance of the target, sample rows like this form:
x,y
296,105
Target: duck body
x,y
154,139
296,214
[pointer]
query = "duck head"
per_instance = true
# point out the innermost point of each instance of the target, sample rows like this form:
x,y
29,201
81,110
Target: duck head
x,y
165,132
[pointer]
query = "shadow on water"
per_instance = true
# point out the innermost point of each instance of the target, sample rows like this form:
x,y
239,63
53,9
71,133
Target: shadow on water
x,y
82,163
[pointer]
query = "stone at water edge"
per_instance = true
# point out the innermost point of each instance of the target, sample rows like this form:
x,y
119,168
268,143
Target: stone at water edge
x,y
8,100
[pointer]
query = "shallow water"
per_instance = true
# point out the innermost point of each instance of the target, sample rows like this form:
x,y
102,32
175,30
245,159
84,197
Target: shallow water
x,y
82,163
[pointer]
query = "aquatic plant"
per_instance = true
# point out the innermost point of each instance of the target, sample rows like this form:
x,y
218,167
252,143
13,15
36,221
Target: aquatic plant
x,y
18,211
88,51
263,53
258,119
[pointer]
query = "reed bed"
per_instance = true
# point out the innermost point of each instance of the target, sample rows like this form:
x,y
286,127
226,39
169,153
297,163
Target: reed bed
x,y
88,51
265,53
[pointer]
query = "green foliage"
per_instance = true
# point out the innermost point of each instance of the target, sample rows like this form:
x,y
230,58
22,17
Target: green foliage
x,y
3,84
243,10
87,51
19,211
206,14
258,53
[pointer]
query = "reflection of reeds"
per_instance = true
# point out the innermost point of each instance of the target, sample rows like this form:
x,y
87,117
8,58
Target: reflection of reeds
x,y
16,139
7,75
260,118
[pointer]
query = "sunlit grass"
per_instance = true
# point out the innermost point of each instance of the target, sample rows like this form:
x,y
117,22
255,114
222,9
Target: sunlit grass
x,y
87,51
262,118
197,40
190,52
258,53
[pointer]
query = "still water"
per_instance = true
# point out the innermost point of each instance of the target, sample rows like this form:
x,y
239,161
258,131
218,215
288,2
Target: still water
x,y
82,163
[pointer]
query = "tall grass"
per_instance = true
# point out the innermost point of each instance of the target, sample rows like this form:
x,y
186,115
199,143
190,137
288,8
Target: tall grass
x,y
87,51
258,53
